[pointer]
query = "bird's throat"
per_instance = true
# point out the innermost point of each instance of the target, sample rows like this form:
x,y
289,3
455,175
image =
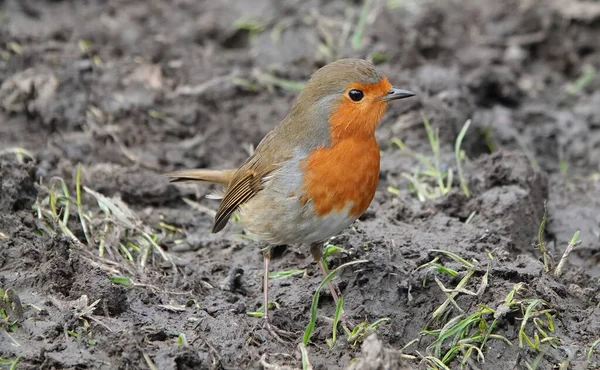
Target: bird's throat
x,y
351,120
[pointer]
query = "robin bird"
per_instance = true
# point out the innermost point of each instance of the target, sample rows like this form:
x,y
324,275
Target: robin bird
x,y
316,172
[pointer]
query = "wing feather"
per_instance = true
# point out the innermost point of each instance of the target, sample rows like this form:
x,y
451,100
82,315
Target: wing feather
x,y
239,192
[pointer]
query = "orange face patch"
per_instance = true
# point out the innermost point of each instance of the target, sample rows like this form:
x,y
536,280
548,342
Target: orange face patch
x,y
350,118
348,170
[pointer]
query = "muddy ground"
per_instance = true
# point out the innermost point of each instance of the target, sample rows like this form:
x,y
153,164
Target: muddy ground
x,y
131,89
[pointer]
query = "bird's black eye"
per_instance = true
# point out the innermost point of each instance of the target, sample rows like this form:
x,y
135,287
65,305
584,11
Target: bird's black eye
x,y
356,95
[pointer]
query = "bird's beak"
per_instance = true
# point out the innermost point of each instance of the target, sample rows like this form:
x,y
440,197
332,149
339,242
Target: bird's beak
x,y
395,94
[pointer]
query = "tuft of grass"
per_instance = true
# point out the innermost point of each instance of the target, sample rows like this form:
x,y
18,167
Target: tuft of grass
x,y
432,182
140,240
465,336
534,308
315,301
94,221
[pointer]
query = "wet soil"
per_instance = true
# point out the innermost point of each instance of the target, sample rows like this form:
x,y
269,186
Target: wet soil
x,y
132,89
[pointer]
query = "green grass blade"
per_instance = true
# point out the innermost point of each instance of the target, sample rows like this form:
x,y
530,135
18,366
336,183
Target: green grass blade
x,y
305,361
336,319
315,301
120,280
79,206
541,244
455,257
281,82
457,150
277,275
591,350
357,37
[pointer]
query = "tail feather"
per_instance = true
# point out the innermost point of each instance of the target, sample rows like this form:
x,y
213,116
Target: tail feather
x,y
222,177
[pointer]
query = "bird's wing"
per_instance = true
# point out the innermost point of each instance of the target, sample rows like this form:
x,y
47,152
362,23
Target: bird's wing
x,y
243,187
247,181
249,178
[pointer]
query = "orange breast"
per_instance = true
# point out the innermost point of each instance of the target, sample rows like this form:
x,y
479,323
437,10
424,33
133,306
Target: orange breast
x,y
345,172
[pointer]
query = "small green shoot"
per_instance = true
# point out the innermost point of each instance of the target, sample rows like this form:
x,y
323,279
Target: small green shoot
x,y
120,280
574,241
393,190
270,80
79,206
305,360
455,257
435,363
252,26
12,364
261,311
245,83
541,243
488,138
470,218
315,301
460,154
363,330
357,37
583,81
277,275
339,308
182,340
592,347
377,57
328,250
149,361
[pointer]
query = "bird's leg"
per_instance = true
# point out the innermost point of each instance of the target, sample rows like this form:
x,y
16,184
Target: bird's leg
x,y
275,332
316,249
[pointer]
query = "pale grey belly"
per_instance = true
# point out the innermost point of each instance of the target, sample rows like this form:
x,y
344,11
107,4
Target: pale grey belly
x,y
276,220
277,216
